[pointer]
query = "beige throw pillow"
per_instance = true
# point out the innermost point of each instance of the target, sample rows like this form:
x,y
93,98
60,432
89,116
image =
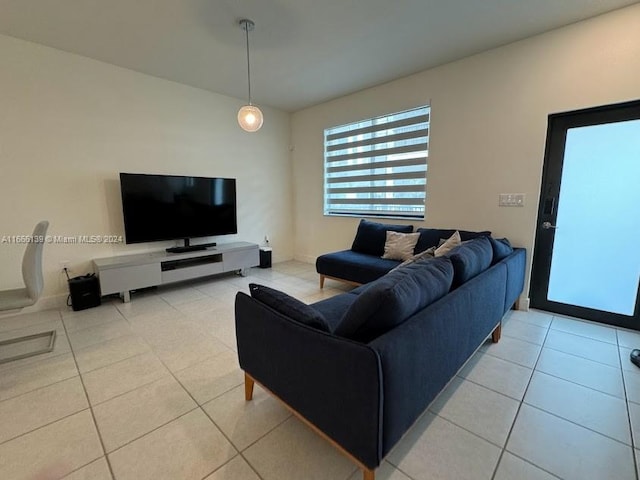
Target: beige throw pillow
x,y
452,242
428,253
399,246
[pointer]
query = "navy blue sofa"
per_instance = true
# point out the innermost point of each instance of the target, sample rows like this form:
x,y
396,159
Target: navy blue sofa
x,y
361,367
363,263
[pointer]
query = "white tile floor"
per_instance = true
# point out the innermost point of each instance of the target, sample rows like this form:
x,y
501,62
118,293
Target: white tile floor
x,y
152,390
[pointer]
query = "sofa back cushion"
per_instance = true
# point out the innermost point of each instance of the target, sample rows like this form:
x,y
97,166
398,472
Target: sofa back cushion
x,y
392,299
501,248
470,258
289,306
371,236
430,237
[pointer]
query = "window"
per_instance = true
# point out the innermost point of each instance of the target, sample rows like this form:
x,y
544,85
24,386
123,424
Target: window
x,y
378,167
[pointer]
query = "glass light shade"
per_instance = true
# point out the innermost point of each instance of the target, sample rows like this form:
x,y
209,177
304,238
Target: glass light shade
x,y
250,118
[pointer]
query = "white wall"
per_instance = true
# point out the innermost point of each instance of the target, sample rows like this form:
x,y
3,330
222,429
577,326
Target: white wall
x,y
488,127
69,125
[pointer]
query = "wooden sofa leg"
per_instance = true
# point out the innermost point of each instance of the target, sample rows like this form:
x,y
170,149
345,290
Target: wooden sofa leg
x,y
248,387
321,281
495,335
368,474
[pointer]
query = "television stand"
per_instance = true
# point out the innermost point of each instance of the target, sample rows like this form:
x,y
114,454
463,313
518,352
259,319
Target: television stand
x,y
124,273
190,248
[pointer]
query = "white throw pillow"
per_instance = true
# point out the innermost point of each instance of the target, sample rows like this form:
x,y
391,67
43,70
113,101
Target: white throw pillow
x,y
452,242
428,253
399,246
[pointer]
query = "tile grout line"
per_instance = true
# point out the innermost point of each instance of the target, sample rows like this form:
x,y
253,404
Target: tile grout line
x,y
578,424
630,423
72,351
556,349
120,447
515,418
45,425
486,351
43,386
197,407
93,416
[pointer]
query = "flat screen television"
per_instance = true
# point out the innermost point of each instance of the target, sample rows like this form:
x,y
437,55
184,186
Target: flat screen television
x,y
170,207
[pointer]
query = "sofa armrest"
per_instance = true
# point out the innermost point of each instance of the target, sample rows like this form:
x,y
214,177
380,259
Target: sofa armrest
x,y
332,382
516,266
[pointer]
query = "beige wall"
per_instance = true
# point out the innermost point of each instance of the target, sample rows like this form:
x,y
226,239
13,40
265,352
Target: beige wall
x,y
488,127
69,125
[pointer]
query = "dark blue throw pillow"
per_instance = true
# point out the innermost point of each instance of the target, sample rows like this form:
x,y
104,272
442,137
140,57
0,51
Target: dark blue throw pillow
x,y
430,237
392,299
469,259
501,248
371,236
289,306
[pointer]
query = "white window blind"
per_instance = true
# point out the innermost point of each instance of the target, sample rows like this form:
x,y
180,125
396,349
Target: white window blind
x,y
378,167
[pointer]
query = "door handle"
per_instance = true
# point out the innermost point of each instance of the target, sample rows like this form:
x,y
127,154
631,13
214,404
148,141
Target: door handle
x,y
547,225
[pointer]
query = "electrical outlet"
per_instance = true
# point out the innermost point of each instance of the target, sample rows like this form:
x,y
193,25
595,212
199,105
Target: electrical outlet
x,y
266,239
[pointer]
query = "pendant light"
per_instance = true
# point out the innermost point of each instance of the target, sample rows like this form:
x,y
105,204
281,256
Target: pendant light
x,y
249,116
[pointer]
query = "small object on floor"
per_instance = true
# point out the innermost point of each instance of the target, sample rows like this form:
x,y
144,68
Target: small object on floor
x,y
635,357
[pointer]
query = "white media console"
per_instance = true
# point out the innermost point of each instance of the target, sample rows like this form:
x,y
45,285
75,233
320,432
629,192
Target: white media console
x,y
124,273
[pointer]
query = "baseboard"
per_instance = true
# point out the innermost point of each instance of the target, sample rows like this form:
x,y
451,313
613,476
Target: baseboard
x,y
305,258
523,303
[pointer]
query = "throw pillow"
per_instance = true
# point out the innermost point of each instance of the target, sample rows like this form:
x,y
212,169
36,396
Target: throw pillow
x,y
427,254
399,246
501,248
452,242
392,299
430,236
470,259
371,236
289,306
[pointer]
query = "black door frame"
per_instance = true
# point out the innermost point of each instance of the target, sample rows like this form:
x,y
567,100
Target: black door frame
x,y
558,124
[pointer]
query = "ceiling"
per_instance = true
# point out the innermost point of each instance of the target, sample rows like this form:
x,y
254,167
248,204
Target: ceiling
x,y
303,52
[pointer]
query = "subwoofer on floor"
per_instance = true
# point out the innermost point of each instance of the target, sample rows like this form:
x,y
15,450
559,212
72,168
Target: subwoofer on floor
x,y
84,292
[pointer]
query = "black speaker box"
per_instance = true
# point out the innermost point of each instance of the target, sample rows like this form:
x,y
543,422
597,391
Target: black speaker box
x,y
84,292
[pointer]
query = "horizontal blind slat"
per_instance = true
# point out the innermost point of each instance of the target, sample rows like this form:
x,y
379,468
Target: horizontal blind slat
x,y
375,214
380,201
380,126
408,162
416,188
381,176
376,140
416,147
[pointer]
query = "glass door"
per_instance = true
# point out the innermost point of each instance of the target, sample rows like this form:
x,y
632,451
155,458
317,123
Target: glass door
x,y
587,255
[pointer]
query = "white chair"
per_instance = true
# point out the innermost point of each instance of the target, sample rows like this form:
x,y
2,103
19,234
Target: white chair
x,y
17,299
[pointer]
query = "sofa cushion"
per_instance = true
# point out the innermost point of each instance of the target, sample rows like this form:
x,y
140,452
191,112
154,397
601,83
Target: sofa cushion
x,y
449,244
430,237
334,308
426,255
399,246
354,266
289,306
392,299
469,259
371,236
501,248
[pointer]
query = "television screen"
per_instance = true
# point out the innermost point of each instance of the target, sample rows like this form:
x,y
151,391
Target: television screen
x,y
168,207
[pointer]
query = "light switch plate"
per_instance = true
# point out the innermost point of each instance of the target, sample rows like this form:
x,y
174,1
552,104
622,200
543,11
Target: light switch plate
x,y
511,200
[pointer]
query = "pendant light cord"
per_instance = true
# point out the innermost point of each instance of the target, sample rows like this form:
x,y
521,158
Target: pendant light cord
x,y
246,31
